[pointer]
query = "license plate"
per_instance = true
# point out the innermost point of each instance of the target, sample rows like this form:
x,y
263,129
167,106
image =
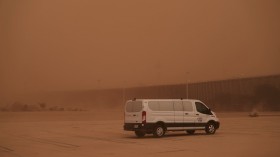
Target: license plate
x,y
135,126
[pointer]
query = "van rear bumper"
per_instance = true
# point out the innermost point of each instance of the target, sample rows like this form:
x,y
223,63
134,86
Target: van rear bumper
x,y
138,127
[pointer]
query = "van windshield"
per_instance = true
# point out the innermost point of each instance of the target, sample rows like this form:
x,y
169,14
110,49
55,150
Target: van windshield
x,y
134,106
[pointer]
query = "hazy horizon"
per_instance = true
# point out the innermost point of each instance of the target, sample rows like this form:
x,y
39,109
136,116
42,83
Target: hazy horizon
x,y
76,45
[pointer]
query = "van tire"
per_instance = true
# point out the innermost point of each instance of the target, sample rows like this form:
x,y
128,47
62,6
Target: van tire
x,y
210,128
140,133
159,131
191,132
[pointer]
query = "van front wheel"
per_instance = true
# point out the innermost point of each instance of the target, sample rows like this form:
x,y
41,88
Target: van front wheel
x,y
140,133
159,131
210,128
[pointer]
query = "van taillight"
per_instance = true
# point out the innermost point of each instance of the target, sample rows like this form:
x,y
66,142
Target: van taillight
x,y
143,117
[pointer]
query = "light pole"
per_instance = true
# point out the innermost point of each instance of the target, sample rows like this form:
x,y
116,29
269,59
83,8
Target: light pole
x,y
123,94
187,85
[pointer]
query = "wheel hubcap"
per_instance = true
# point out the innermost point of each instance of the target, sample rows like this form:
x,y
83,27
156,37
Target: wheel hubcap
x,y
159,131
211,128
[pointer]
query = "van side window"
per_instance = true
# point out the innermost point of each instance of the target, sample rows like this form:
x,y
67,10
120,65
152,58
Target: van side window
x,y
166,106
202,108
178,106
188,106
154,105
161,105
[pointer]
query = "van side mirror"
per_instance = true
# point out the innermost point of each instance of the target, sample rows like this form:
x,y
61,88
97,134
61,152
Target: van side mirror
x,y
209,111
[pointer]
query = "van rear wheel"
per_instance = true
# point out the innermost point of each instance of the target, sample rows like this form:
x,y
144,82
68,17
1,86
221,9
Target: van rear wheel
x,y
140,133
159,131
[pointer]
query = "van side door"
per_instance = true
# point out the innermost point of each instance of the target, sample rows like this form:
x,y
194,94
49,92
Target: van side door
x,y
166,112
189,114
178,112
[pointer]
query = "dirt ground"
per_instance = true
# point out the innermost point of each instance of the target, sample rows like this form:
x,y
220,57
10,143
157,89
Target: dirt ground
x,y
88,134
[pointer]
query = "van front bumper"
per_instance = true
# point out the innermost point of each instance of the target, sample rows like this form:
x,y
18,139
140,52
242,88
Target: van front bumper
x,y
138,127
217,125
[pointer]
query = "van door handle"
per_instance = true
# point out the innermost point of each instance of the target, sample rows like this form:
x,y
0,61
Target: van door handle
x,y
134,115
186,113
197,114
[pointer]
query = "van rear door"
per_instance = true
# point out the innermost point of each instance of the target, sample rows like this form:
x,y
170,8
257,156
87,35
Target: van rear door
x,y
133,112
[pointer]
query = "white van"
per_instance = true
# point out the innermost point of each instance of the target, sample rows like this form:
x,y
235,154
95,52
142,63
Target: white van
x,y
156,116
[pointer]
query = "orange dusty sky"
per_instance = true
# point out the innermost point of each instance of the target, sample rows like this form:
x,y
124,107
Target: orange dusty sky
x,y
48,45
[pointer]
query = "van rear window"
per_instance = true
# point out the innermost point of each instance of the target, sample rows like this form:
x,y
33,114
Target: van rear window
x,y
134,106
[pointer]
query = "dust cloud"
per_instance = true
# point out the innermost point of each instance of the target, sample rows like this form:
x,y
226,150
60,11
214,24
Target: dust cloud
x,y
69,45
73,61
